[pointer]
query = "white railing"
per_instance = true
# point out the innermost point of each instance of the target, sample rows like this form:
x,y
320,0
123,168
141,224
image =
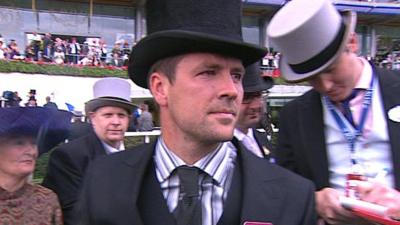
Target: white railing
x,y
145,134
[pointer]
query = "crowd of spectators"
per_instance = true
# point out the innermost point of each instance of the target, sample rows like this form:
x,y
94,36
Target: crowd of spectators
x,y
95,52
45,48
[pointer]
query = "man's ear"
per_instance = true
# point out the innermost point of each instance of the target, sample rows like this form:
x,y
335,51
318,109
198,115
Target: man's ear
x,y
158,85
352,44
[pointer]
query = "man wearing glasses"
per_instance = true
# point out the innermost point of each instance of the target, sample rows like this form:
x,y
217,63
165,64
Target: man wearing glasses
x,y
251,112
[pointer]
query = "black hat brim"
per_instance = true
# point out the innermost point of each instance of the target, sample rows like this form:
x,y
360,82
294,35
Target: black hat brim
x,y
264,84
169,43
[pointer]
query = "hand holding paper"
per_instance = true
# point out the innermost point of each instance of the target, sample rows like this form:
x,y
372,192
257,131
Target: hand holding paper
x,y
382,195
378,203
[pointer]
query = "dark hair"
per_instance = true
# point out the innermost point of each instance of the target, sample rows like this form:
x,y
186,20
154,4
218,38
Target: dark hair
x,y
166,66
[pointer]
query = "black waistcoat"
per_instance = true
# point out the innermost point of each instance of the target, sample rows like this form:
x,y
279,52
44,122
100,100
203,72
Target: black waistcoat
x,y
154,210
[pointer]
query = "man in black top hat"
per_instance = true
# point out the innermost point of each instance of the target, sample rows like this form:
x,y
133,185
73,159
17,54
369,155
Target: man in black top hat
x,y
251,112
193,63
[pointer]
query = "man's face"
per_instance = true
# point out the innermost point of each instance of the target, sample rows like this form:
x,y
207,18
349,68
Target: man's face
x,y
251,110
110,124
339,79
203,101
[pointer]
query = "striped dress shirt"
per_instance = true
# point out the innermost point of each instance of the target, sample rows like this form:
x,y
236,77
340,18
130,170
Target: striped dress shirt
x,y
214,182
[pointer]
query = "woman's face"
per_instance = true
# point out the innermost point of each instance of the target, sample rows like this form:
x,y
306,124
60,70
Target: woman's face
x,y
18,155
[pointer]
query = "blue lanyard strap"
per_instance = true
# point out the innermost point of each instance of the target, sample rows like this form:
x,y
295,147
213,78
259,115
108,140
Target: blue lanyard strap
x,y
350,136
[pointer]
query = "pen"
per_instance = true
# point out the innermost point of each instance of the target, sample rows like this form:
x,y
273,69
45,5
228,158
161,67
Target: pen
x,y
380,175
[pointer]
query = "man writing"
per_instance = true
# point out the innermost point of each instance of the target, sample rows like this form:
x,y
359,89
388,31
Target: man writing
x,y
109,114
344,128
193,174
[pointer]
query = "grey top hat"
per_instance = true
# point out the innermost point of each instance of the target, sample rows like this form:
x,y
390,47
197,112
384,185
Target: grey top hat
x,y
110,91
183,26
310,34
253,82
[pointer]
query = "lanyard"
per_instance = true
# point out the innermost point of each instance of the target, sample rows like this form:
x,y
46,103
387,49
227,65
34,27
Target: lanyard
x,y
350,136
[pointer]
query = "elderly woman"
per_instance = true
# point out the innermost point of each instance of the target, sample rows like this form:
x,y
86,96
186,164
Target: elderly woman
x,y
25,133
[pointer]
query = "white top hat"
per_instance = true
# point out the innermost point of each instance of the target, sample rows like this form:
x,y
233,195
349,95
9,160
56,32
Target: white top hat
x,y
310,34
110,91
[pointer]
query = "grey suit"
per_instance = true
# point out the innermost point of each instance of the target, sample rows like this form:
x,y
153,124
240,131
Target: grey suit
x,y
301,141
116,185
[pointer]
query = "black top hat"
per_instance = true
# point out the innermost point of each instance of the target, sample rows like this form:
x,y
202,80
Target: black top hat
x,y
253,82
182,26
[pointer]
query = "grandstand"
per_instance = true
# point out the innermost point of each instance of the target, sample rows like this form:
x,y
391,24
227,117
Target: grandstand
x,y
93,22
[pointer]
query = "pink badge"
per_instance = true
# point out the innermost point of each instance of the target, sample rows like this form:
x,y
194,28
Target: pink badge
x,y
256,223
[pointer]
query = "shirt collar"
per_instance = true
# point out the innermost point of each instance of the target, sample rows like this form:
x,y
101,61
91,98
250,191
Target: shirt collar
x,y
110,149
366,75
239,134
215,163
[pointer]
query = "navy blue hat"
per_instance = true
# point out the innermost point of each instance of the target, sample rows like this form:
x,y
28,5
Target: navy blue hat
x,y
48,125
253,82
178,27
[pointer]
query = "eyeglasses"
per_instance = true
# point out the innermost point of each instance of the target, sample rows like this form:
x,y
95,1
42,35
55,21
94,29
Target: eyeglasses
x,y
249,97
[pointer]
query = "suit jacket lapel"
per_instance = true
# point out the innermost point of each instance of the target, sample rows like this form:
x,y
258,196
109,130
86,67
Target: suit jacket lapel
x,y
264,144
390,90
133,171
313,138
152,205
262,195
97,147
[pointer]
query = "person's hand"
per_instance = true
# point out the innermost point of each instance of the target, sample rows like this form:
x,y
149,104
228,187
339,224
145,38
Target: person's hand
x,y
380,194
330,210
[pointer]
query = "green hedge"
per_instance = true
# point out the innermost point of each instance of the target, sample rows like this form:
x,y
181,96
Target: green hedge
x,y
84,71
51,69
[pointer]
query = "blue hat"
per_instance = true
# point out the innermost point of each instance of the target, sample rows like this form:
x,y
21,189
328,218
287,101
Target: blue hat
x,y
48,125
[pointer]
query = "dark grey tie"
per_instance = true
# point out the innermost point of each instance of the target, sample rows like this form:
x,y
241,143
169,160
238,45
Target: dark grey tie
x,y
188,211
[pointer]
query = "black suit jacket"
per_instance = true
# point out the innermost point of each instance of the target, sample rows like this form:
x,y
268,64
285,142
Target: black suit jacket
x,y
301,142
266,147
269,192
67,167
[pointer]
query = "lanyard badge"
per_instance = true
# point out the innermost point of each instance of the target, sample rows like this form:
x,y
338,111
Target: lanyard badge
x,y
351,135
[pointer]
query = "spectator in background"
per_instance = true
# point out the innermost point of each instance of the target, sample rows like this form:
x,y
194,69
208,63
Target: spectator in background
x,y
22,202
103,52
73,50
116,61
14,52
36,41
31,98
250,114
59,56
145,120
17,99
126,51
109,114
50,104
117,49
47,48
31,102
3,51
